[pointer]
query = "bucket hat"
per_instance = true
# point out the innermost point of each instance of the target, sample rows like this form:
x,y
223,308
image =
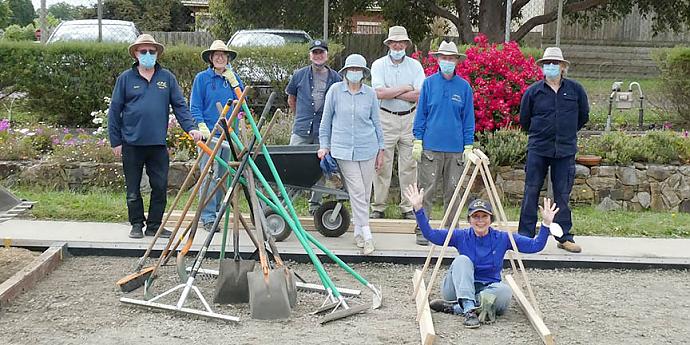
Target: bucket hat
x,y
553,54
355,60
397,33
218,46
145,39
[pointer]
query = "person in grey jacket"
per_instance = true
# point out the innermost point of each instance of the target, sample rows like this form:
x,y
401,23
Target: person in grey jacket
x,y
351,133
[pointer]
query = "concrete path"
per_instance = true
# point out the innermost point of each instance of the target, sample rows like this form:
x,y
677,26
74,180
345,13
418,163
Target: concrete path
x,y
111,239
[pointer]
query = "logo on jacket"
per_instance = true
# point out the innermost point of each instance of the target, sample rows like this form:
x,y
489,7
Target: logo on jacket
x,y
162,85
456,98
136,87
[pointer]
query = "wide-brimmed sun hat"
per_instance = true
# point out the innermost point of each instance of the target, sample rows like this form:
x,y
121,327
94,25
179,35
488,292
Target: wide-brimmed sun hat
x,y
553,54
448,49
145,39
397,33
355,60
218,46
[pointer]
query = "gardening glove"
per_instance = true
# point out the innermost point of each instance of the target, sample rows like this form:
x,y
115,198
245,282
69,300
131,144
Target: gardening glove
x,y
466,152
230,77
205,132
555,230
417,150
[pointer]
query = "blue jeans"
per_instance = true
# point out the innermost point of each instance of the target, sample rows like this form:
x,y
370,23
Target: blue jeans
x,y
459,283
562,178
208,214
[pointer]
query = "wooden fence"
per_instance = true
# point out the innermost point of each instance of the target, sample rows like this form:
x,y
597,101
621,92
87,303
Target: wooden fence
x,y
191,38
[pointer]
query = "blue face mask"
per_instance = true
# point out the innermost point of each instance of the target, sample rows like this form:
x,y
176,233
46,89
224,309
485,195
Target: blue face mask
x,y
447,67
147,60
551,71
354,76
397,54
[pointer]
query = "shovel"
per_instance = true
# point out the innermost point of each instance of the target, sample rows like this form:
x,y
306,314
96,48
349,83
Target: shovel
x,y
268,296
231,285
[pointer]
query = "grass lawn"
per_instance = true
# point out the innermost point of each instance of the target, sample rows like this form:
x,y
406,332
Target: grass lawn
x,y
109,206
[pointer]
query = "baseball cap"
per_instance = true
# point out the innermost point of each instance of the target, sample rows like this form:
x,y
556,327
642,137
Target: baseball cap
x,y
318,44
479,205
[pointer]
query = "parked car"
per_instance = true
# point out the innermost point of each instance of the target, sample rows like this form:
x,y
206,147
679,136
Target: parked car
x,y
258,76
87,30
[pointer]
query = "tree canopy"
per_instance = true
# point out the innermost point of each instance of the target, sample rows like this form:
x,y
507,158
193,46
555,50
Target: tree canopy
x,y
148,15
5,14
22,12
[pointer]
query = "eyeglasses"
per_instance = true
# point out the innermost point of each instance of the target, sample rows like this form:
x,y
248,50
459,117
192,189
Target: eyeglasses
x,y
551,62
150,51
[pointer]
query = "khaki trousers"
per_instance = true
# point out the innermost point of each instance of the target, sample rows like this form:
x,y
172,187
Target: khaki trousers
x,y
439,168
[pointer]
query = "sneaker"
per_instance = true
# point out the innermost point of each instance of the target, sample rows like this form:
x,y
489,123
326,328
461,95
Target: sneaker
x,y
471,320
209,226
443,306
359,241
419,238
136,231
151,231
486,309
409,215
377,215
570,247
368,247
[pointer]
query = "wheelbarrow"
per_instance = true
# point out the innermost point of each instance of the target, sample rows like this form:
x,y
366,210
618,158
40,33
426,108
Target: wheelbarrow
x,y
299,170
11,206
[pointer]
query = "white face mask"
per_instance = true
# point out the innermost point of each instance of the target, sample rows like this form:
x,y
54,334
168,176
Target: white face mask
x,y
354,76
397,54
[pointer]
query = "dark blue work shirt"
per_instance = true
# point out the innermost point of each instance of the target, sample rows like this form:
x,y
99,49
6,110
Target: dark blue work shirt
x,y
138,113
552,119
301,85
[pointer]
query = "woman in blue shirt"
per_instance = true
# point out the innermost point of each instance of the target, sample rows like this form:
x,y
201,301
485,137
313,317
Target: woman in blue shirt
x,y
472,286
350,132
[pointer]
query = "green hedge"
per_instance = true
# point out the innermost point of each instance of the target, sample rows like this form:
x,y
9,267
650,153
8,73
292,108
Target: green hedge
x,y
674,64
64,83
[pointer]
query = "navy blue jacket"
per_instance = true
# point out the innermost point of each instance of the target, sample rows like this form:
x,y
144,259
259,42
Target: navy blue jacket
x,y
307,119
552,120
138,113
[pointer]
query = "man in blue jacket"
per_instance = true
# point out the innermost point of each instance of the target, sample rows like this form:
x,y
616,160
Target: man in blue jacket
x,y
472,286
443,128
138,127
211,86
306,93
552,111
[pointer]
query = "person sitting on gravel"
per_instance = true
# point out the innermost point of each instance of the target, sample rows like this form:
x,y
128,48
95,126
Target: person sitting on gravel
x,y
472,286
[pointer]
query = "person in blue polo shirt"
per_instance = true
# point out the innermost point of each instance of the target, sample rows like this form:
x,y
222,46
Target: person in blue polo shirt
x,y
472,286
138,127
306,93
443,128
552,111
213,85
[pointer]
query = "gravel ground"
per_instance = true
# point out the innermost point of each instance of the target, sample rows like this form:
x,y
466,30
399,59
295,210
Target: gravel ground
x,y
78,304
13,260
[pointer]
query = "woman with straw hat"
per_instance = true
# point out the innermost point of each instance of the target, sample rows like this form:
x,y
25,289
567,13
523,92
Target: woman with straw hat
x,y
213,85
351,133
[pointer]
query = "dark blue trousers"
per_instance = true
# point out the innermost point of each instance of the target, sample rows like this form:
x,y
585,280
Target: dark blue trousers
x,y
155,159
562,178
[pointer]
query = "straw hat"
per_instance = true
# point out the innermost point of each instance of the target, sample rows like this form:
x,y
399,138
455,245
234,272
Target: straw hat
x,y
218,46
145,39
355,60
553,54
448,49
397,33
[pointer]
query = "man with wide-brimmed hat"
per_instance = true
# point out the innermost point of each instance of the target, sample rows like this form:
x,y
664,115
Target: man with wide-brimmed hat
x,y
552,111
306,93
443,127
397,80
138,127
211,86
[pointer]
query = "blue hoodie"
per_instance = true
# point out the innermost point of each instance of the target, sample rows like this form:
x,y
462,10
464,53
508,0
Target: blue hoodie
x,y
207,89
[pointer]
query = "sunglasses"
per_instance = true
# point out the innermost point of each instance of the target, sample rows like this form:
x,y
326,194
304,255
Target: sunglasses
x,y
551,62
150,51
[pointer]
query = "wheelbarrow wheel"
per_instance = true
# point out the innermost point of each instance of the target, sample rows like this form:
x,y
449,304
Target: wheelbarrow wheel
x,y
328,227
276,225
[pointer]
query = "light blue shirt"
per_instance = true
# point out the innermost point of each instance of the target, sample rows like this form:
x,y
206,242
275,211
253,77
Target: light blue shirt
x,y
350,126
385,73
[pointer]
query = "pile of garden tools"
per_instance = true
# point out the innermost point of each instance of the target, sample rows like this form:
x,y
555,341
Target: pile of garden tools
x,y
269,286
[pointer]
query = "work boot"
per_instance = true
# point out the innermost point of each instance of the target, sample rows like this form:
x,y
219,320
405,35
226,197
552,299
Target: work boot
x,y
443,306
420,240
368,247
377,215
408,215
151,231
570,247
359,241
209,226
471,320
136,231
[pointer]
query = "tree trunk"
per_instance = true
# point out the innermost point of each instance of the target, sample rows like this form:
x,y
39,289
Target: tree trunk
x,y
492,19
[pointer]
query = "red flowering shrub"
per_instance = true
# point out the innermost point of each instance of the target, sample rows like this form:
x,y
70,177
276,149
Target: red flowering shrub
x,y
499,74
